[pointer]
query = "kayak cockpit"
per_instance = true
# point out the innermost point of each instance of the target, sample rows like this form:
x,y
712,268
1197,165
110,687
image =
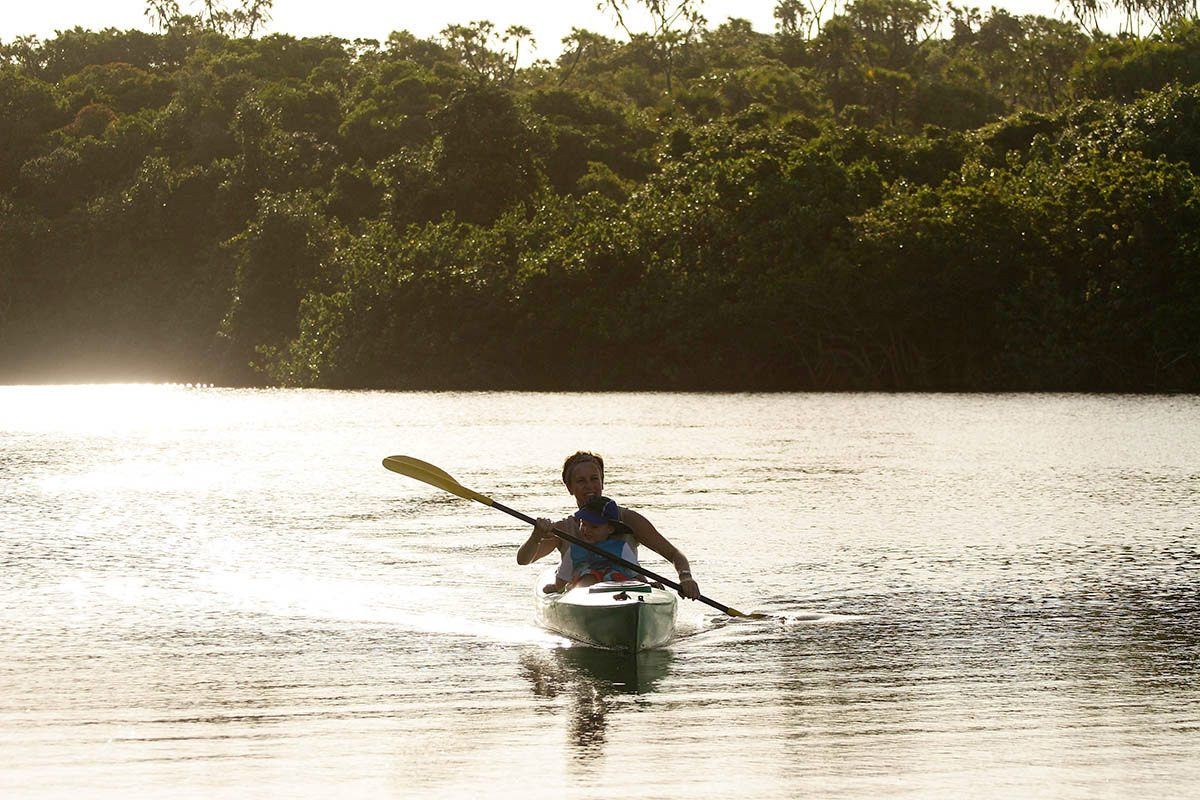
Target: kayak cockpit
x,y
618,615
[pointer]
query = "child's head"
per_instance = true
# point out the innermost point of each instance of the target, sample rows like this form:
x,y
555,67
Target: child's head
x,y
591,532
600,518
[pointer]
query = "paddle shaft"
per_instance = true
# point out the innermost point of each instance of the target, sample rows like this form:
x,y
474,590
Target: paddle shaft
x,y
614,558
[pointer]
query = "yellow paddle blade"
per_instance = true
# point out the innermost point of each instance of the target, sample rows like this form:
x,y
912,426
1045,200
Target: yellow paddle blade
x,y
733,612
417,463
434,476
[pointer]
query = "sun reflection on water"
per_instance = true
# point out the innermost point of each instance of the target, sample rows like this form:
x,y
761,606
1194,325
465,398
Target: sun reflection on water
x,y
100,409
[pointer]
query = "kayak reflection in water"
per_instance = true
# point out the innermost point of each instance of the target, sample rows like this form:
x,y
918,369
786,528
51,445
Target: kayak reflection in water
x,y
593,681
599,521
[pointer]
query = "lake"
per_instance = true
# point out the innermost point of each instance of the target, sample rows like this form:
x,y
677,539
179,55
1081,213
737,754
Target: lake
x,y
221,593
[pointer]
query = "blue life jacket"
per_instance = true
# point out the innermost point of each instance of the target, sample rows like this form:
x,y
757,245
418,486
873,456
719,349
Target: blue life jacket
x,y
615,546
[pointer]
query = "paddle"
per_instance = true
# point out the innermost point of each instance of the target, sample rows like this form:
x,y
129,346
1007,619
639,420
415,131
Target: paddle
x,y
435,476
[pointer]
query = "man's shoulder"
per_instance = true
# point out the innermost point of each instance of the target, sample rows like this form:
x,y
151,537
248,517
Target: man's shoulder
x,y
634,519
628,514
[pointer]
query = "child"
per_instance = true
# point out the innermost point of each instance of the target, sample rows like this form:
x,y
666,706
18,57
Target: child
x,y
598,523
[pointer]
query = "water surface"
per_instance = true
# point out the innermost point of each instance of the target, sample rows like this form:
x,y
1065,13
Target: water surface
x,y
219,593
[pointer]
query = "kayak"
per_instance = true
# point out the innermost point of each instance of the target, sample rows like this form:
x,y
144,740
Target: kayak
x,y
617,615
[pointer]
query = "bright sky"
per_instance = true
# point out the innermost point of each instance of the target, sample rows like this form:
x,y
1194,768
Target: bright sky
x,y
550,20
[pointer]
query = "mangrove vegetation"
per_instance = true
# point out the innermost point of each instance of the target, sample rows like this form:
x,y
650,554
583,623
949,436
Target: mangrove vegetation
x,y
898,196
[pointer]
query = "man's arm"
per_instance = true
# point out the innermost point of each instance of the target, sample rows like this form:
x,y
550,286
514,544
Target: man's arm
x,y
645,532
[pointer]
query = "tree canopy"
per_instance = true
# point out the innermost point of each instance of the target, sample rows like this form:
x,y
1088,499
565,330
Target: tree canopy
x,y
900,196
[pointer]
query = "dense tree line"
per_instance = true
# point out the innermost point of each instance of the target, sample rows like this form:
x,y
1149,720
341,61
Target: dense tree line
x,y
903,197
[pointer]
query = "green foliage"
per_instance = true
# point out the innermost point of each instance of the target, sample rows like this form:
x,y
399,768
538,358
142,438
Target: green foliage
x,y
389,109
890,30
280,257
71,51
1121,69
1056,275
1161,125
1112,301
1026,62
485,158
123,87
863,204
29,110
580,129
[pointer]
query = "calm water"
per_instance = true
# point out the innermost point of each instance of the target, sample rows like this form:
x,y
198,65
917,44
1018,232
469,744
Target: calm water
x,y
211,593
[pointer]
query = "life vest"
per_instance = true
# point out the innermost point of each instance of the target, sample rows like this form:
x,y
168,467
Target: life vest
x,y
575,557
582,557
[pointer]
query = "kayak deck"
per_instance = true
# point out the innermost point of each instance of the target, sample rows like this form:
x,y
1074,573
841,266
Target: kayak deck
x,y
617,615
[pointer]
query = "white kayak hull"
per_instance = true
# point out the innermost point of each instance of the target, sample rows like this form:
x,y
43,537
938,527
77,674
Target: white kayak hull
x,y
617,615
